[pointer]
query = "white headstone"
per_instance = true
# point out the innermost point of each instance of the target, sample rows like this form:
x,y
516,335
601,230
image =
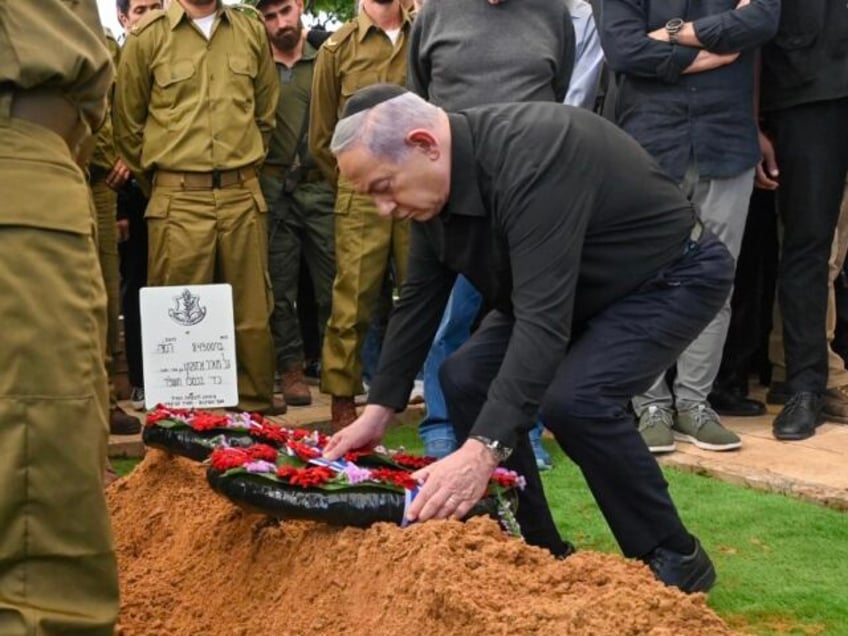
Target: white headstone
x,y
188,346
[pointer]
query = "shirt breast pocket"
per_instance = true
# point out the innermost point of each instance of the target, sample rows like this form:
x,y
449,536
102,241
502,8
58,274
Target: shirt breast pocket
x,y
174,84
243,71
352,82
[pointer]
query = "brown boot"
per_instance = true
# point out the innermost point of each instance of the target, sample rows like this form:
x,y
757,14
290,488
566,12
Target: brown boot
x,y
294,389
121,423
343,411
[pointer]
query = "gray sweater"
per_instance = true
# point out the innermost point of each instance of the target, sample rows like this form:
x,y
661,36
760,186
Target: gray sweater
x,y
466,53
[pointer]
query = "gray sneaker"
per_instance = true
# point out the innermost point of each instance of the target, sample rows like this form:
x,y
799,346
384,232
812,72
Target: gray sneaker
x,y
655,427
701,426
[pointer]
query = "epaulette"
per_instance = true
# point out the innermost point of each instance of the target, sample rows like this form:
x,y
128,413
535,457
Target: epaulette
x,y
149,18
109,34
347,29
248,10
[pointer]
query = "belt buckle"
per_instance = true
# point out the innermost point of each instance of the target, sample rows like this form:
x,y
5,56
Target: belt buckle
x,y
216,179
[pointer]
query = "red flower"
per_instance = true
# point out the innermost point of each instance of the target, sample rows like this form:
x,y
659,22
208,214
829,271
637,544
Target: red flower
x,y
303,451
263,452
401,478
313,476
270,433
412,461
223,459
207,421
156,416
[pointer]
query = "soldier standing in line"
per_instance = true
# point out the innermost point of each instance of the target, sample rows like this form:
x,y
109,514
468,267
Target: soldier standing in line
x,y
100,169
194,111
300,201
369,49
58,574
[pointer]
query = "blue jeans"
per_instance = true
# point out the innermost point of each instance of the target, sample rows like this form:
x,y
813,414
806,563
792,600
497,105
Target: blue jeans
x,y
463,306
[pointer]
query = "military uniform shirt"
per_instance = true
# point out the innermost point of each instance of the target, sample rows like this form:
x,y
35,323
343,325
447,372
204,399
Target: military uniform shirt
x,y
30,57
357,55
185,103
292,108
104,155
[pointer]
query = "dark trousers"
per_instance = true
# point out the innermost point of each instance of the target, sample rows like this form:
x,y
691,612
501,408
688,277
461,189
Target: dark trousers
x,y
617,354
133,256
811,141
746,346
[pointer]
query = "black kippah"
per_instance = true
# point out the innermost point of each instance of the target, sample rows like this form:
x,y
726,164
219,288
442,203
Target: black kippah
x,y
370,96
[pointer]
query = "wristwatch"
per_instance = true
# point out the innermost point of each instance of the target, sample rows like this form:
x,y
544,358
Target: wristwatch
x,y
672,27
500,451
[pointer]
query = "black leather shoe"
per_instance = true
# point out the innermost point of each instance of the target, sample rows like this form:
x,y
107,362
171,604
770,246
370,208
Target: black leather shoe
x,y
691,573
733,403
799,417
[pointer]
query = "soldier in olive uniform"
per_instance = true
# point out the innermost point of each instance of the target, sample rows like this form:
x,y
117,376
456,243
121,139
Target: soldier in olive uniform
x,y
194,111
101,175
371,48
300,201
58,574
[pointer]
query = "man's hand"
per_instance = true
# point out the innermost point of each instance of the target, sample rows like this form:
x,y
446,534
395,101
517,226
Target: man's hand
x,y
707,61
454,484
123,227
366,431
118,176
767,171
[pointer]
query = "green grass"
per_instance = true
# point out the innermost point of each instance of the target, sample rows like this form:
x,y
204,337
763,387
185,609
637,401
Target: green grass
x,y
782,563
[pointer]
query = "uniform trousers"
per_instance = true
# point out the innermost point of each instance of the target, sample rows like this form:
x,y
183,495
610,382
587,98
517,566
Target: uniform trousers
x,y
366,244
300,229
615,355
58,573
199,237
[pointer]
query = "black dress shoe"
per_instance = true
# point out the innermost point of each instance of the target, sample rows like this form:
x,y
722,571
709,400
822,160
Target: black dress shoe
x,y
689,572
799,417
732,402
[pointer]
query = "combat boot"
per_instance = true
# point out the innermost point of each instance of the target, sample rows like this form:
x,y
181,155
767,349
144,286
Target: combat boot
x,y
294,389
343,411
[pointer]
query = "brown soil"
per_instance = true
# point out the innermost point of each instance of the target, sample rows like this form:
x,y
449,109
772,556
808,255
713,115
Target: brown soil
x,y
193,564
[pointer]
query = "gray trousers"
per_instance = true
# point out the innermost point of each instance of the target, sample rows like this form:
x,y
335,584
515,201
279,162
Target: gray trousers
x,y
723,207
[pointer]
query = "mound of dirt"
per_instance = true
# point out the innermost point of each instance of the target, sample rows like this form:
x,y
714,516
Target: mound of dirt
x,y
191,563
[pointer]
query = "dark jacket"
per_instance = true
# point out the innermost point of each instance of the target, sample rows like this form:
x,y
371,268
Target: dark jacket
x,y
808,59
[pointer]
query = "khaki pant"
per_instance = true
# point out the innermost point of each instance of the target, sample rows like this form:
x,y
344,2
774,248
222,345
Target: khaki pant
x,y
199,237
58,574
105,204
836,373
366,244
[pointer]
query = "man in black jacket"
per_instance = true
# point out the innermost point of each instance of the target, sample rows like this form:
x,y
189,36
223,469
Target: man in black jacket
x,y
804,100
599,275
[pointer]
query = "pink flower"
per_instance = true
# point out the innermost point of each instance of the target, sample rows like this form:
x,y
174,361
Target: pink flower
x,y
355,474
260,466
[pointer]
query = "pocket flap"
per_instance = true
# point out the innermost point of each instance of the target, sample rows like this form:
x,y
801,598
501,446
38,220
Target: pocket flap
x,y
242,65
167,74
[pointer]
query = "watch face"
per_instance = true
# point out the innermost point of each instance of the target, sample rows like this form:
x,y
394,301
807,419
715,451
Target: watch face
x,y
674,25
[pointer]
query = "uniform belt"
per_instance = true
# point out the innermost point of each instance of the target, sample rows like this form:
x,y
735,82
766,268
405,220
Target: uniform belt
x,y
204,180
273,171
52,110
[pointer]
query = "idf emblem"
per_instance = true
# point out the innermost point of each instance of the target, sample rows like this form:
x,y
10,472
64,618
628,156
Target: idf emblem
x,y
187,310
